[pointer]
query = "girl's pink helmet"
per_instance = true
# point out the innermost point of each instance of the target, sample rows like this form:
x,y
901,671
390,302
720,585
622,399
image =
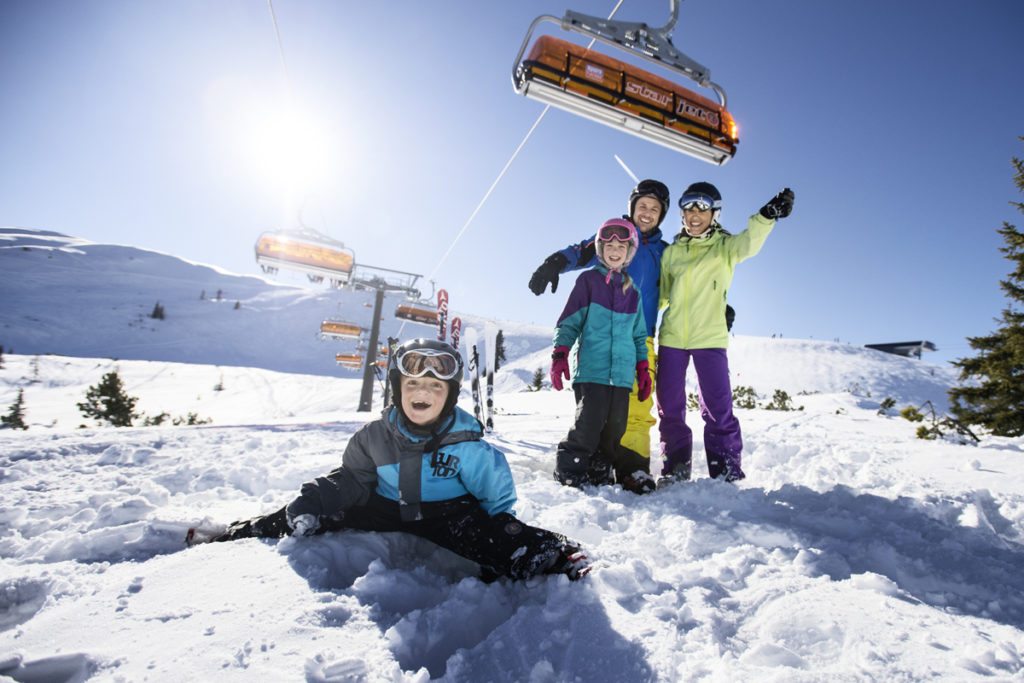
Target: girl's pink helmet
x,y
621,230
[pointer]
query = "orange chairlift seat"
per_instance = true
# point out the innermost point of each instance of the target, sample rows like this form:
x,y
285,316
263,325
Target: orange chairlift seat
x,y
307,251
339,329
353,361
417,313
622,95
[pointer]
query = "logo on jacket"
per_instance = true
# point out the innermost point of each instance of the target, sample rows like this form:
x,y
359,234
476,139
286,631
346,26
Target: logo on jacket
x,y
444,465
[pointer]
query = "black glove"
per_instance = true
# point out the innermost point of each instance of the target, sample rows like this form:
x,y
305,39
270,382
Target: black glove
x,y
730,316
779,206
548,272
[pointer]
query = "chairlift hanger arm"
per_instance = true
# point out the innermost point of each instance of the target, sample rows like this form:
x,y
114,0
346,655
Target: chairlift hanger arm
x,y
653,44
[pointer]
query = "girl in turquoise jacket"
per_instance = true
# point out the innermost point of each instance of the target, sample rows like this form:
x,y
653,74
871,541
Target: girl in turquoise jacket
x,y
604,317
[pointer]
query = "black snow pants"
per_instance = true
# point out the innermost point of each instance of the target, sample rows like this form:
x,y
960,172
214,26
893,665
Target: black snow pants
x,y
591,447
501,545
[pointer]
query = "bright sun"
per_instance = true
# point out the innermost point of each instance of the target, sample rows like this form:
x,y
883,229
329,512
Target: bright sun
x,y
287,148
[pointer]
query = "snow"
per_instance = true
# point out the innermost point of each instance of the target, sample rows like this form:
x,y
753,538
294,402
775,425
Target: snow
x,y
853,551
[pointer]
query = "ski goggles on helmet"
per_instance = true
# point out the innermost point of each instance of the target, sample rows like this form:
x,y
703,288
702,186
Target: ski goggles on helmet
x,y
621,233
697,202
419,362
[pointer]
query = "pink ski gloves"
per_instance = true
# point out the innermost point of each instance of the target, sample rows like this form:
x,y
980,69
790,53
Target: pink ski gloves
x,y
560,366
643,381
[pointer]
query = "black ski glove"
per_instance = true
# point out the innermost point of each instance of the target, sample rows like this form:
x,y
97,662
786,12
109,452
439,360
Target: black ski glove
x,y
548,272
779,206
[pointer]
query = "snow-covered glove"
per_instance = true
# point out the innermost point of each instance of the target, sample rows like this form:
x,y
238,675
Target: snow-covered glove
x,y
548,273
643,381
304,525
779,206
302,516
559,366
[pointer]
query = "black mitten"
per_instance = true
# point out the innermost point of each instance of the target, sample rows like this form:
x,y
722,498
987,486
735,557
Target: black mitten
x,y
779,206
548,273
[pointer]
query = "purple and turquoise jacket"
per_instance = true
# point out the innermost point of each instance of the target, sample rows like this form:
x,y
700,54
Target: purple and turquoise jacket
x,y
645,268
608,324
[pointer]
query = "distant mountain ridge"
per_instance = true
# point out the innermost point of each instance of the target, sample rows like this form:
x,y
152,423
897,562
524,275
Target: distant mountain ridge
x,y
67,296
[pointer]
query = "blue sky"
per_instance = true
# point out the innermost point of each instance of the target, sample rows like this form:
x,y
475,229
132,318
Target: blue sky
x,y
153,124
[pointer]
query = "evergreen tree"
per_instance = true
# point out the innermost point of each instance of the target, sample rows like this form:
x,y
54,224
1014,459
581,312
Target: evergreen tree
x,y
15,417
158,312
108,402
994,398
1,356
538,379
499,350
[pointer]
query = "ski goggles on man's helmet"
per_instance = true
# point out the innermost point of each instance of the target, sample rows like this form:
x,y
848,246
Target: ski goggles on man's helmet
x,y
419,362
698,202
614,231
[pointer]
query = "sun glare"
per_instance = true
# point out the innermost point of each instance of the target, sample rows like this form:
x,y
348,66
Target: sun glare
x,y
287,148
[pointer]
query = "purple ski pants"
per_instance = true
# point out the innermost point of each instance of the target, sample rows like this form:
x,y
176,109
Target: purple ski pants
x,y
723,443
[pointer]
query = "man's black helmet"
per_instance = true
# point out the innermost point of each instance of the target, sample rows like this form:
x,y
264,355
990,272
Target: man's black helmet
x,y
650,188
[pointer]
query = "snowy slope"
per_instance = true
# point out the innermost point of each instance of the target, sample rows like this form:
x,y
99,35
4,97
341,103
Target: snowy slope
x,y
63,295
854,551
114,288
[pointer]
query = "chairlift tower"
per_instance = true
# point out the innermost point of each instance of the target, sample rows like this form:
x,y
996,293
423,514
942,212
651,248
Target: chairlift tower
x,y
382,281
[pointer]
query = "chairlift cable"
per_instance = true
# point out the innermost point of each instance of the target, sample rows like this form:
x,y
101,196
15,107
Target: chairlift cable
x,y
280,50
501,175
625,168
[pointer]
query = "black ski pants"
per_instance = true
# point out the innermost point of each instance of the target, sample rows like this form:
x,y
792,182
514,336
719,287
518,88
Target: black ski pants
x,y
593,441
501,545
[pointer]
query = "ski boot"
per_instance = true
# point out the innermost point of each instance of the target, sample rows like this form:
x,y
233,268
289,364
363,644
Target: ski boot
x,y
600,473
681,472
573,479
721,467
638,482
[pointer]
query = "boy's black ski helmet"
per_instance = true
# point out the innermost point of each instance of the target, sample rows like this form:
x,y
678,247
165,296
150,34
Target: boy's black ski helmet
x,y
431,347
650,188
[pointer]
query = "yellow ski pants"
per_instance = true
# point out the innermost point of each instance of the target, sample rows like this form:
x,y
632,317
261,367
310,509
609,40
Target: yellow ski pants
x,y
640,420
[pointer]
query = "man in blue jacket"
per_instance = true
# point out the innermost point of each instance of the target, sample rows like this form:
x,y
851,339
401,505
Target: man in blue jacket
x,y
648,204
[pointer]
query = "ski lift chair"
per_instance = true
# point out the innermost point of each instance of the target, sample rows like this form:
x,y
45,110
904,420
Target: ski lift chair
x,y
339,329
305,251
353,361
622,95
417,313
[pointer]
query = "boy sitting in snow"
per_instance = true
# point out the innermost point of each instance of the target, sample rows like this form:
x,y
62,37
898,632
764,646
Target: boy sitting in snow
x,y
422,468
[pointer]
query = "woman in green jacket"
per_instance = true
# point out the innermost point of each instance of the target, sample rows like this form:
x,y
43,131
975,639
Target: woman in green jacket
x,y
696,272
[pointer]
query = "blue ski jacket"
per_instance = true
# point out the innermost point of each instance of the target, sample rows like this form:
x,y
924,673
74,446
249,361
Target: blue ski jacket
x,y
645,268
609,325
386,456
